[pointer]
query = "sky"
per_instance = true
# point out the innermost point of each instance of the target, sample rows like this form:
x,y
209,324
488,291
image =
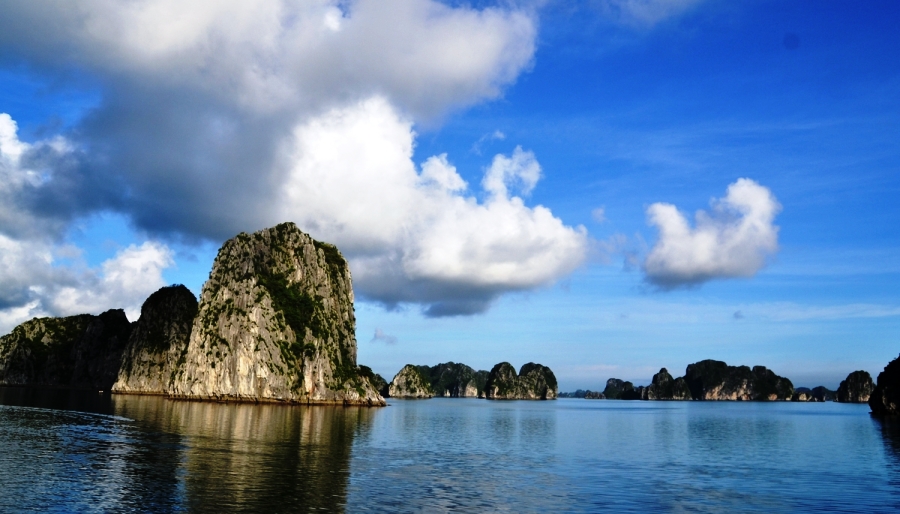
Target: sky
x,y
606,187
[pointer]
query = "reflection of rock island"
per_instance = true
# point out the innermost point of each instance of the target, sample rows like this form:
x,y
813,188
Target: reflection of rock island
x,y
456,380
275,322
300,457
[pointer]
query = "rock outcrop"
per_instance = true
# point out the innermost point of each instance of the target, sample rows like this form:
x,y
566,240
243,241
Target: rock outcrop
x,y
533,382
856,388
275,322
378,382
885,398
456,380
83,351
411,382
664,387
618,389
158,343
715,380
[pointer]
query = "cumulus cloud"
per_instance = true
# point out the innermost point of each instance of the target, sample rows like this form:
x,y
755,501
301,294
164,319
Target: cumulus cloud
x,y
221,117
40,275
734,239
415,235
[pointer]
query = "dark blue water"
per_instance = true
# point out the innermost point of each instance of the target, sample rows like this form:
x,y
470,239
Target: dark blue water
x,y
62,451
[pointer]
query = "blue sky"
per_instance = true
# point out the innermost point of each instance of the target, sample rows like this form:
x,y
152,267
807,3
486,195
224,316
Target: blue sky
x,y
142,154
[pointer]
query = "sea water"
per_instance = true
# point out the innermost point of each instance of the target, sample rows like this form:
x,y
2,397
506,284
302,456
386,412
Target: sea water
x,y
76,452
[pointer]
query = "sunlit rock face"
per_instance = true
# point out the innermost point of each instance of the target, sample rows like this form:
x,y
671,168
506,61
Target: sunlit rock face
x,y
457,380
885,398
411,382
158,343
715,380
83,351
533,382
664,387
275,322
856,388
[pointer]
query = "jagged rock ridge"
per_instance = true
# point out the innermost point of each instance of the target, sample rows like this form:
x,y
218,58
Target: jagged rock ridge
x,y
275,322
664,387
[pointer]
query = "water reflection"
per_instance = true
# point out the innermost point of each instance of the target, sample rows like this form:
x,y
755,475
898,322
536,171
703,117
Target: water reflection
x,y
174,456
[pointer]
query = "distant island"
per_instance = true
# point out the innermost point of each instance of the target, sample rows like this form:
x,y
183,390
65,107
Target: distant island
x,y
450,379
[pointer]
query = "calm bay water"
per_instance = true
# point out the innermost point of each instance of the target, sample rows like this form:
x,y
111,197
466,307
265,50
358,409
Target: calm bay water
x,y
64,451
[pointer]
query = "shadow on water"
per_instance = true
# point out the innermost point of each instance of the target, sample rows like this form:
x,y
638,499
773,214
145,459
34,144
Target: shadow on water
x,y
147,453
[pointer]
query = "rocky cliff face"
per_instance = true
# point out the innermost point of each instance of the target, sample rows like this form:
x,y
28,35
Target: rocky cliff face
x,y
856,388
885,398
715,380
275,322
158,343
664,387
81,351
533,382
411,382
456,380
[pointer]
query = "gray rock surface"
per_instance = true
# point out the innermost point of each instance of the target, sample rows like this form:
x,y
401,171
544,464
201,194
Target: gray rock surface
x,y
411,382
158,343
275,322
856,388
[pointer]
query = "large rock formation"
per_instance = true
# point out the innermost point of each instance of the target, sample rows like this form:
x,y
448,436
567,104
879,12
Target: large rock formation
x,y
158,343
275,322
715,380
618,389
664,387
533,382
81,351
885,398
456,380
856,388
411,382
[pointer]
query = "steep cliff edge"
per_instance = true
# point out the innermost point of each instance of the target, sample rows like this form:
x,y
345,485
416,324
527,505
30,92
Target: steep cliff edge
x,y
533,382
411,382
856,388
275,322
715,380
83,351
885,398
158,342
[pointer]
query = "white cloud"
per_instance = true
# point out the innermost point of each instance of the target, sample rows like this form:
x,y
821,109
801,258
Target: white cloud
x,y
733,240
270,55
384,338
646,12
221,117
599,215
413,236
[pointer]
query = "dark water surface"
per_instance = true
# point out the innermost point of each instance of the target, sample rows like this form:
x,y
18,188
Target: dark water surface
x,y
63,451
